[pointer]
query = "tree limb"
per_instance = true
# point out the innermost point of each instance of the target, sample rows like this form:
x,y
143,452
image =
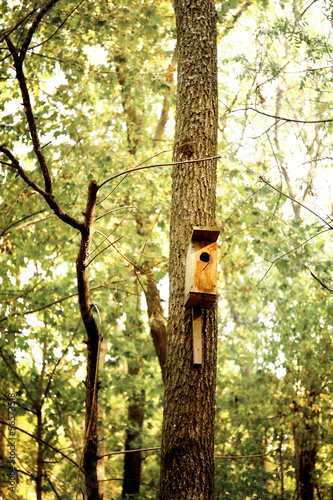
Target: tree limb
x,y
34,26
49,198
295,201
18,63
319,281
294,120
59,27
130,171
43,442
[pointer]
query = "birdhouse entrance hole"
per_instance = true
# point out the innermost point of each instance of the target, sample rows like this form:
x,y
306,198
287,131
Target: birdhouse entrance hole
x,y
204,257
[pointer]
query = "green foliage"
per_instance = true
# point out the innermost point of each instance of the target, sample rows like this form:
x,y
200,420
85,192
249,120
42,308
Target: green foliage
x,y
97,76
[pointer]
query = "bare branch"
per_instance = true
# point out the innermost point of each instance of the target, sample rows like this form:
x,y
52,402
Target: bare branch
x,y
42,441
232,457
34,26
17,376
46,306
31,222
106,238
111,211
49,198
130,171
8,31
21,220
103,249
59,28
128,451
11,207
18,63
295,201
283,118
235,457
306,8
57,363
290,251
139,165
148,235
319,281
124,256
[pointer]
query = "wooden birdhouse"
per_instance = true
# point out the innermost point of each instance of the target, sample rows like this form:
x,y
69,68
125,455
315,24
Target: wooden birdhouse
x,y
201,268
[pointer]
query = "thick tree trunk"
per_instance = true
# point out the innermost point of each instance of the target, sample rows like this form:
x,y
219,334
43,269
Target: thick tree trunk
x,y
132,461
40,461
157,322
187,458
100,435
305,457
3,442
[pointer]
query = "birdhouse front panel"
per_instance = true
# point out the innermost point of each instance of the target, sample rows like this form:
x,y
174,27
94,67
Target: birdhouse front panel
x,y
201,272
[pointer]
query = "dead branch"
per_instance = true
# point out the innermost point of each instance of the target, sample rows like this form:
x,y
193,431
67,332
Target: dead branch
x,y
321,282
43,442
130,171
283,118
49,198
34,26
295,201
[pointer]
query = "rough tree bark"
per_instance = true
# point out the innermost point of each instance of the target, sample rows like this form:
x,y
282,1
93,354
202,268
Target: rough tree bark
x,y
132,461
187,457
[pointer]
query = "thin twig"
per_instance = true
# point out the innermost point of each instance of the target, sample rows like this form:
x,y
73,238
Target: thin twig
x,y
50,200
231,457
284,118
124,256
152,301
144,161
103,249
295,201
130,171
148,236
111,211
128,451
59,27
34,26
8,31
119,223
306,8
25,313
290,251
235,457
43,442
319,281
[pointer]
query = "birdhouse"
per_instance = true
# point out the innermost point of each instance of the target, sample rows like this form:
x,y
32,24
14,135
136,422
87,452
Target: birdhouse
x,y
201,268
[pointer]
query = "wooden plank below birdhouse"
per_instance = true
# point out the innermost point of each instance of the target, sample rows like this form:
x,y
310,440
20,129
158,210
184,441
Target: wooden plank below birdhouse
x,y
197,335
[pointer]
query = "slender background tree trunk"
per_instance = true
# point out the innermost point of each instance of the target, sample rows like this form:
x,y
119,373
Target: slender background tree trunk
x,y
187,458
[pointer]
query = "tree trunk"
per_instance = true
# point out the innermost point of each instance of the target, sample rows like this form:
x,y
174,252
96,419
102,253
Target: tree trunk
x,y
100,434
132,461
93,342
156,318
187,455
40,451
305,457
3,442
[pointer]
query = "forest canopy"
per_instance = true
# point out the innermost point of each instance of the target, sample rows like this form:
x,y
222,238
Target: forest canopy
x,y
87,112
